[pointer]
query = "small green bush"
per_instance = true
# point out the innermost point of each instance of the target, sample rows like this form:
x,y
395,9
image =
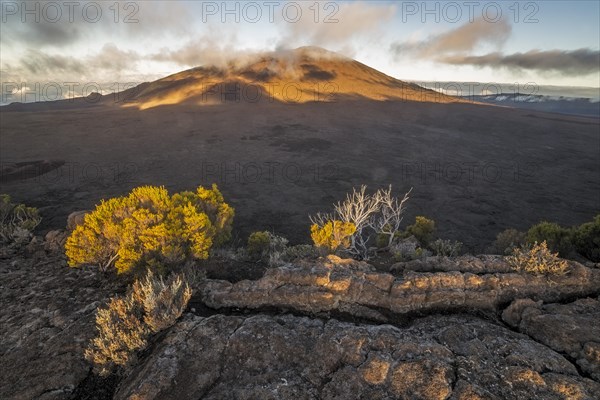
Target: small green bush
x,y
149,227
258,244
507,240
445,248
556,237
537,259
17,221
267,247
422,229
586,239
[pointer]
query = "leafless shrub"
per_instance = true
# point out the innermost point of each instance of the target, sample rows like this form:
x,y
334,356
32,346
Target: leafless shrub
x,y
387,221
321,218
376,214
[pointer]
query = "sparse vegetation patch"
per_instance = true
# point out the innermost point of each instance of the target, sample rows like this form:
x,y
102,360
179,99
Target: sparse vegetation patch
x,y
538,260
446,248
125,325
17,221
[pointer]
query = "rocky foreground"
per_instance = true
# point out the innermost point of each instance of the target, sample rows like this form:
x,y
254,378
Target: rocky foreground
x,y
466,328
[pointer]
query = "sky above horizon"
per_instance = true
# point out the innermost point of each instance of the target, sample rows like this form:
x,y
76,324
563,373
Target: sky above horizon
x,y
544,42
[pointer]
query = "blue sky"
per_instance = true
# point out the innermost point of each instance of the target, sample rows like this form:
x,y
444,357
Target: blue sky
x,y
398,38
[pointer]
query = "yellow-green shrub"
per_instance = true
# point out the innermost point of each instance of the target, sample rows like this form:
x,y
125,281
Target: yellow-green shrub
x,y
332,235
150,227
537,259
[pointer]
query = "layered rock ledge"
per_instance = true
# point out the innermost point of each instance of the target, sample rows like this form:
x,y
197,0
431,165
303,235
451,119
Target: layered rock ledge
x,y
348,286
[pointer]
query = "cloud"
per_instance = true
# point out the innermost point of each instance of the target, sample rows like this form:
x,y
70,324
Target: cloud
x,y
51,51
156,18
111,58
220,45
39,63
571,62
46,23
465,38
35,25
213,49
338,24
456,47
44,33
109,63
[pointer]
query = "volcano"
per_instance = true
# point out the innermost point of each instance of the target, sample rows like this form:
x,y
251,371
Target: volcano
x,y
291,76
287,133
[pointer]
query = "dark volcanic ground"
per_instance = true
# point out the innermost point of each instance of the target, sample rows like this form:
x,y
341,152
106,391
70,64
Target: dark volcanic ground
x,y
475,169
